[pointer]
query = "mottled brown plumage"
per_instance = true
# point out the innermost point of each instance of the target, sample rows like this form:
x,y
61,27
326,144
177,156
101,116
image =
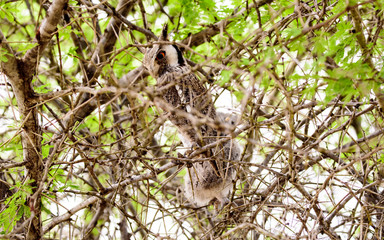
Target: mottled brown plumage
x,y
207,180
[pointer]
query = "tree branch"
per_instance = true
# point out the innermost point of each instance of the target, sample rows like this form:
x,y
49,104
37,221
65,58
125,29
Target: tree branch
x,y
44,34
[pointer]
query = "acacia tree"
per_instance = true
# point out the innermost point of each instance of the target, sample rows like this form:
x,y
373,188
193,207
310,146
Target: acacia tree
x,y
86,152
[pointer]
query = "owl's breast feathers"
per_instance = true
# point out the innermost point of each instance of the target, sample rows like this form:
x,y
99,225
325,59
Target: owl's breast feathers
x,y
181,88
184,91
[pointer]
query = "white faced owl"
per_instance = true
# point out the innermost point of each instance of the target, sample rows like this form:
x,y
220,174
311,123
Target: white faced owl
x,y
205,180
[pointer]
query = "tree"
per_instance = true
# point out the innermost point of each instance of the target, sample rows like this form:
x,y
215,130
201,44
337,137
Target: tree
x,y
86,152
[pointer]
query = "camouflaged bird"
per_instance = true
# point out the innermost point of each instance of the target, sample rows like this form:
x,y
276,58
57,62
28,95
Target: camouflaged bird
x,y
209,180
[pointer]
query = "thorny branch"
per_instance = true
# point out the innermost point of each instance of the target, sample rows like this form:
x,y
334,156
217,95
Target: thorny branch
x,y
101,149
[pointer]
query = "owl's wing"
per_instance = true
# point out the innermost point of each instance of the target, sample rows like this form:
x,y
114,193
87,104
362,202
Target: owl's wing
x,y
197,97
186,92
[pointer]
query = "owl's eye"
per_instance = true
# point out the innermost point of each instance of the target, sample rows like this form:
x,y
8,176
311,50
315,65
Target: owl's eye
x,y
160,55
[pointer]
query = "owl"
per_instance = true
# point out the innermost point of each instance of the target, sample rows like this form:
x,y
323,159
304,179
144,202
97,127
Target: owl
x,y
205,181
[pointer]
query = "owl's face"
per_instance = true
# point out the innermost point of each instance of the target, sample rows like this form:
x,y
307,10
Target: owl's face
x,y
161,58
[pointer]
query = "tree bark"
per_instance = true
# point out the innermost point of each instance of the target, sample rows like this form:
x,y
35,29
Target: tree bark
x,y
20,73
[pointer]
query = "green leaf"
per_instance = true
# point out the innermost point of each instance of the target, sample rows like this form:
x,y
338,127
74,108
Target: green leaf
x,y
342,86
15,206
292,32
225,77
3,55
7,10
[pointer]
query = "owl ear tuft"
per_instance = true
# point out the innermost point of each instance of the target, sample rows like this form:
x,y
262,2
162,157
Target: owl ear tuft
x,y
164,33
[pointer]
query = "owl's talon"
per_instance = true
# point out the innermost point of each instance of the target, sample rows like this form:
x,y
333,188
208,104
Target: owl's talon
x,y
195,146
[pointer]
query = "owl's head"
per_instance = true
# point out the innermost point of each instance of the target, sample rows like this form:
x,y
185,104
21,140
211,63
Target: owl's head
x,y
162,56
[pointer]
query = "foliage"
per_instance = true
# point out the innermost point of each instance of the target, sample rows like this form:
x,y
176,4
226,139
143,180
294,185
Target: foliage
x,y
16,207
303,79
